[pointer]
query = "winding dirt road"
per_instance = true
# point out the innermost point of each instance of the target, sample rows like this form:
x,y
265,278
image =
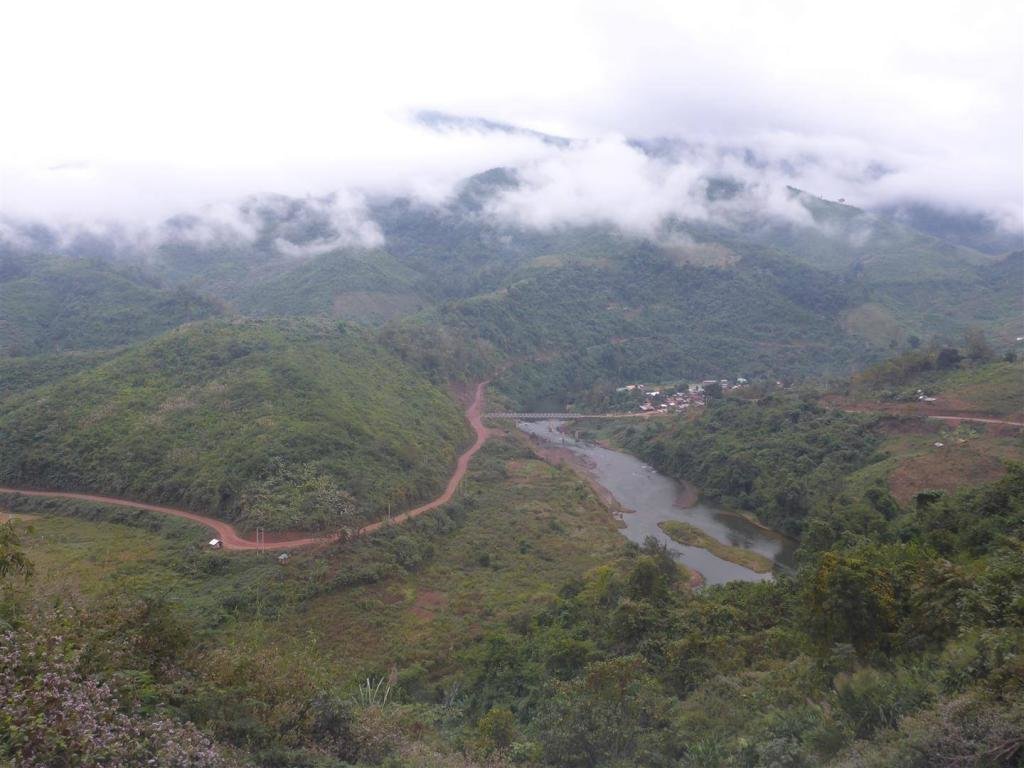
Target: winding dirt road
x,y
233,540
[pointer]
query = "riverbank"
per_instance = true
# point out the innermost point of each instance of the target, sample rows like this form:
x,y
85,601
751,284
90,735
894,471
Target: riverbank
x,y
688,495
563,457
645,498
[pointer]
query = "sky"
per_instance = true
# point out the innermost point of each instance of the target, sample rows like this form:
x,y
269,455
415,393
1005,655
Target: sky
x,y
136,111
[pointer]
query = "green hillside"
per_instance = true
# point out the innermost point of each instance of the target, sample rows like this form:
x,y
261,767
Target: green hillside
x,y
985,384
51,304
819,293
359,286
514,627
839,238
266,423
21,373
577,325
778,458
987,295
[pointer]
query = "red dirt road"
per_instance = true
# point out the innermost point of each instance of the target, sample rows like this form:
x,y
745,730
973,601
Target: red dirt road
x,y
232,540
943,411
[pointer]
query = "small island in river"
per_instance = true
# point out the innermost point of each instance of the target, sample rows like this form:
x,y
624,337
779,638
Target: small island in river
x,y
691,535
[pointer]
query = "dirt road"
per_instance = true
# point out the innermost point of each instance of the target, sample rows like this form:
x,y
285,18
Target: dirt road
x,y
233,540
956,417
984,420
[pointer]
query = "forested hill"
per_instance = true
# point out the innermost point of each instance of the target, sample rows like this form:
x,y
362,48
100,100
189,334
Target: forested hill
x,y
53,304
576,325
273,423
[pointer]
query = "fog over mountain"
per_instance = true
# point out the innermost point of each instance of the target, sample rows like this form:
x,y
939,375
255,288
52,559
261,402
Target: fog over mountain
x,y
644,187
630,118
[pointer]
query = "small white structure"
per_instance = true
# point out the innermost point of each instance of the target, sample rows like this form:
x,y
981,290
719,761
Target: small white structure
x,y
216,544
939,445
283,558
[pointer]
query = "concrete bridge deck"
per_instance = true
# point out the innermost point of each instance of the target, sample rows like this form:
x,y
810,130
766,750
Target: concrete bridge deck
x,y
523,416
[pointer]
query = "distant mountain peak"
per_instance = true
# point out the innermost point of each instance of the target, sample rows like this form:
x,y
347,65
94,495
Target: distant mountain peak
x,y
441,121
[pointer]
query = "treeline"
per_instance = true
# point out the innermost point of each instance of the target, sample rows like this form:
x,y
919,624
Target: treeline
x,y
778,458
917,363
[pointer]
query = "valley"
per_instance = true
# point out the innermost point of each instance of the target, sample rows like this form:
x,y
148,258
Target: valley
x,y
797,544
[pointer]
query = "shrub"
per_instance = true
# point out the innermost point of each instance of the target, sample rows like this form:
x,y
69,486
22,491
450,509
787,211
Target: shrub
x,y
55,715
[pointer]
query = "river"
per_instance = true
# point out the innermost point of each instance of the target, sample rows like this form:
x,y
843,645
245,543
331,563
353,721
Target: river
x,y
653,499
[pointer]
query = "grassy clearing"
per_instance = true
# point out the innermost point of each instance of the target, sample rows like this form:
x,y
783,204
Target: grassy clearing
x,y
531,528
996,388
77,558
692,536
85,551
911,462
992,389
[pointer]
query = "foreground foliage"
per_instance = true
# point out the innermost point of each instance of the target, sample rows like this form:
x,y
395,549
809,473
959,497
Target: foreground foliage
x,y
898,643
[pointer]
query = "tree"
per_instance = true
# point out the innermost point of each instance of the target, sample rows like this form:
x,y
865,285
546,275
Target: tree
x,y
496,730
12,558
977,346
948,357
849,600
613,711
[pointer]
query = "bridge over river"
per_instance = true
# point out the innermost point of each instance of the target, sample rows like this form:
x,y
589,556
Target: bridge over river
x,y
520,416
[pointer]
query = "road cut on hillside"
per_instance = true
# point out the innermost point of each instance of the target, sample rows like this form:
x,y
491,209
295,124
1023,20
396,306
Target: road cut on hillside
x,y
231,539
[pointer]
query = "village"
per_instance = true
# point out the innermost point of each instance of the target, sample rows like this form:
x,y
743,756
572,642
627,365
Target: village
x,y
655,399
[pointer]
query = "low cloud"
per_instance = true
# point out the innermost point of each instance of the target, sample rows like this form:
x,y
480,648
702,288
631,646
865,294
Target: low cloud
x,y
603,181
875,102
637,186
